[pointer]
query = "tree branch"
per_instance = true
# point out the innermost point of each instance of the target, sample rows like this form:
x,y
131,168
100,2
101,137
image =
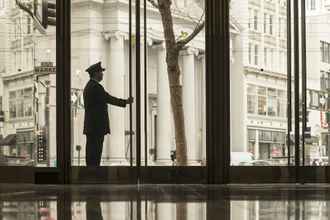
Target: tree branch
x,y
197,30
25,7
153,3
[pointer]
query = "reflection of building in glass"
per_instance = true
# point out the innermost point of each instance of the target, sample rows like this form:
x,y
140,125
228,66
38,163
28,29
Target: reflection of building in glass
x,y
281,209
14,210
150,210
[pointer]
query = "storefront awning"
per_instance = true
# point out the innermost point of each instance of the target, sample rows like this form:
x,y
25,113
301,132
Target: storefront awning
x,y
9,140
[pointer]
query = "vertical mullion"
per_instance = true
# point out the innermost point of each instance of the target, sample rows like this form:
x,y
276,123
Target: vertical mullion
x,y
296,84
145,84
63,80
289,80
138,88
209,35
217,107
67,88
303,77
225,140
130,79
59,92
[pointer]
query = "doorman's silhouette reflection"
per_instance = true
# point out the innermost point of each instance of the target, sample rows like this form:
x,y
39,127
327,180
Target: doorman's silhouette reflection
x,y
93,210
96,124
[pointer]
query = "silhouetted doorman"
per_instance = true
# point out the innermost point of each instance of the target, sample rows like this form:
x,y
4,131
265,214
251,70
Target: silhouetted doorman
x,y
96,123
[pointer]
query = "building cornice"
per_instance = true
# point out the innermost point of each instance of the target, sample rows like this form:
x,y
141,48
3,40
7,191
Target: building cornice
x,y
266,128
189,51
107,35
266,118
265,73
15,76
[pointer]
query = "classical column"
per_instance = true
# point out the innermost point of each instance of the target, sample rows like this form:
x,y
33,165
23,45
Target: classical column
x,y
164,115
189,75
238,98
115,85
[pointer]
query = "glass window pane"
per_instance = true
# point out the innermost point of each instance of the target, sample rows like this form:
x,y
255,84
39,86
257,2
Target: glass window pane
x,y
317,142
27,60
258,112
163,147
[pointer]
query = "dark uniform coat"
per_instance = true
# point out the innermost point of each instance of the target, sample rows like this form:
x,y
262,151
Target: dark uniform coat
x,y
96,109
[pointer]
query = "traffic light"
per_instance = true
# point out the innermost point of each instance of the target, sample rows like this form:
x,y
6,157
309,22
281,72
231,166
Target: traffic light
x,y
327,116
48,13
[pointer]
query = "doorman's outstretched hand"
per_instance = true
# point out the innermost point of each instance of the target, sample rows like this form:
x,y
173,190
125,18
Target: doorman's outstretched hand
x,y
130,100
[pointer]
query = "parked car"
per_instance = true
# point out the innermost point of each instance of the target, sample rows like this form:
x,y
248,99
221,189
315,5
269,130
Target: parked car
x,y
260,163
19,161
319,161
3,160
240,158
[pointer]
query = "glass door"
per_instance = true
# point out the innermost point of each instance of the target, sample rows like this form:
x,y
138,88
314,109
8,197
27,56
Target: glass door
x,y
173,86
128,49
261,73
102,74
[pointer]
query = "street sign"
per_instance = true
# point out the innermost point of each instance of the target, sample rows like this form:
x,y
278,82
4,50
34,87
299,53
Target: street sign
x,y
45,68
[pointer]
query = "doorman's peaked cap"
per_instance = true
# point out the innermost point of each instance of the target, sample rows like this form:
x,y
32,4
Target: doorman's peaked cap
x,y
95,68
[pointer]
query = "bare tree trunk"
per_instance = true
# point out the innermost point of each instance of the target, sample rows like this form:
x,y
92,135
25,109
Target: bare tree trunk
x,y
173,70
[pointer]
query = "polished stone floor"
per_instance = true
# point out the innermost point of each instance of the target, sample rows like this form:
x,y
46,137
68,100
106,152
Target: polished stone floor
x,y
165,202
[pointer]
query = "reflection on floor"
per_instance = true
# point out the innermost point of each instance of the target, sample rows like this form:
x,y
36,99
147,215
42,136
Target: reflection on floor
x,y
164,202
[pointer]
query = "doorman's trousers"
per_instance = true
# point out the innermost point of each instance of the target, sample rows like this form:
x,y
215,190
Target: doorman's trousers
x,y
94,147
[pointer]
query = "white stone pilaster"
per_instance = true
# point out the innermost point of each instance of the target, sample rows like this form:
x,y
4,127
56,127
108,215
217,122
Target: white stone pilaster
x,y
238,99
115,85
164,118
189,76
